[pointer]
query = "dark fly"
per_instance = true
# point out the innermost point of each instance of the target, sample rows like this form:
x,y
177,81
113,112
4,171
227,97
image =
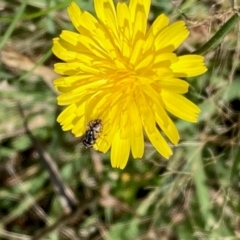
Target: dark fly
x,y
92,133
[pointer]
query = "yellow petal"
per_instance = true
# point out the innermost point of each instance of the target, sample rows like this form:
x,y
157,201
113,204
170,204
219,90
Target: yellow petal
x,y
66,52
157,106
74,13
139,10
171,57
142,6
159,143
101,35
148,47
124,124
106,14
163,72
75,94
189,66
66,117
161,22
73,80
80,126
173,35
137,143
75,68
95,105
69,37
104,142
174,85
136,52
145,63
164,60
110,123
136,131
68,110
125,28
146,112
180,106
84,44
170,129
120,151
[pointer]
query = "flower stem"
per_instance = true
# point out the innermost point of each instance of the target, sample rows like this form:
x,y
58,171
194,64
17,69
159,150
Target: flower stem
x,y
219,35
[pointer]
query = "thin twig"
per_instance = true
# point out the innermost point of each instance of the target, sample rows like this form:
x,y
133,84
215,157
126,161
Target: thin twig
x,y
62,220
36,207
67,198
13,236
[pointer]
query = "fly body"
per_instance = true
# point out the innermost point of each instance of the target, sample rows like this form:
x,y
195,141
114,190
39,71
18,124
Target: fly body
x,y
92,133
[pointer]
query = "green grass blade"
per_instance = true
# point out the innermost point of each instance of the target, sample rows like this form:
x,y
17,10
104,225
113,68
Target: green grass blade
x,y
13,24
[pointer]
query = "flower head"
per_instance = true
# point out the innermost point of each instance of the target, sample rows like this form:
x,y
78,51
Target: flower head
x,y
118,71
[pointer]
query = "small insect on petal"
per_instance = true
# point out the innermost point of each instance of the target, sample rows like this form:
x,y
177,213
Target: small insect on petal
x,y
92,133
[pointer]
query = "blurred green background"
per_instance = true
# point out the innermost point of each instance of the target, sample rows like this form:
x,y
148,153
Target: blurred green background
x,y
194,195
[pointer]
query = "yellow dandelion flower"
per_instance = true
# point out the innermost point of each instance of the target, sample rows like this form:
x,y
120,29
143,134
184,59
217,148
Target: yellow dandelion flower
x,y
126,76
